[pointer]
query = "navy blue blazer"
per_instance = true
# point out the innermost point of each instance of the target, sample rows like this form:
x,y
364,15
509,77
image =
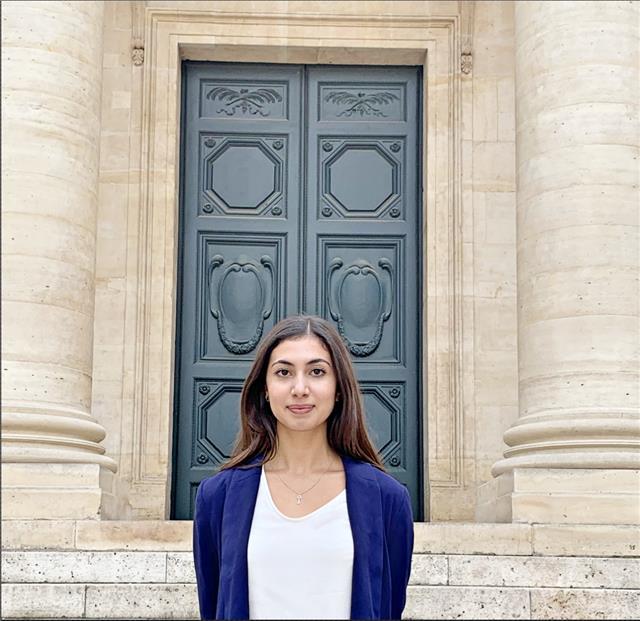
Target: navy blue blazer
x,y
381,524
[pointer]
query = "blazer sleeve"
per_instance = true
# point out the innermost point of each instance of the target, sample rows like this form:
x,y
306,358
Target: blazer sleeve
x,y
400,551
206,554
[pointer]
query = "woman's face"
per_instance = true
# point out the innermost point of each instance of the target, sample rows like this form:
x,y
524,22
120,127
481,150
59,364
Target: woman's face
x,y
301,383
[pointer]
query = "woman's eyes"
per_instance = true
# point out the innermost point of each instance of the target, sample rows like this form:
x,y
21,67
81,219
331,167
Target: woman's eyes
x,y
318,372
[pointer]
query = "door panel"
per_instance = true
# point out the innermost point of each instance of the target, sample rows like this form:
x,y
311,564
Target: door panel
x,y
239,242
362,242
299,194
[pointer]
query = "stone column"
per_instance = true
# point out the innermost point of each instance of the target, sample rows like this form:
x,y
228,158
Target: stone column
x,y
52,71
575,451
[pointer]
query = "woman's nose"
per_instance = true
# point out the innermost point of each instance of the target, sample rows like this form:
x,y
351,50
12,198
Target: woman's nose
x,y
299,386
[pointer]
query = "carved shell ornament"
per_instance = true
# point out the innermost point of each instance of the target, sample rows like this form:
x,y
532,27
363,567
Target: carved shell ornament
x,y
345,306
245,100
361,103
240,299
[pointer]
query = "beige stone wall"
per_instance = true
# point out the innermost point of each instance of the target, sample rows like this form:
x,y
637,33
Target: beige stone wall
x,y
475,399
116,252
492,142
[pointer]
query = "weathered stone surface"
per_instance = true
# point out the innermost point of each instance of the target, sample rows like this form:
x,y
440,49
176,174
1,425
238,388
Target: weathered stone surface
x,y
586,540
560,496
443,602
135,535
576,481
544,571
469,538
556,508
23,503
83,566
142,601
584,604
38,534
180,567
428,569
50,601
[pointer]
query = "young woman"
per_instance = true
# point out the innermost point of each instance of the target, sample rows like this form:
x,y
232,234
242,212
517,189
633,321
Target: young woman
x,y
302,522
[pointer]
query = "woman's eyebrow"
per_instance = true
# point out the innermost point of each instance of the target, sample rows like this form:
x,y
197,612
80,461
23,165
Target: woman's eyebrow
x,y
314,361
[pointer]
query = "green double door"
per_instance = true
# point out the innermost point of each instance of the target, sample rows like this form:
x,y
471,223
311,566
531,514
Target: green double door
x,y
300,192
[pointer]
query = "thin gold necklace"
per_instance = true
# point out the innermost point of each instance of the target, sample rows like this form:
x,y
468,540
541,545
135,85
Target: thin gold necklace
x,y
300,494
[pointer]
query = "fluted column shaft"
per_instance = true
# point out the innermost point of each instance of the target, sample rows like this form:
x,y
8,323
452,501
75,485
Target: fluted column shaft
x,y
52,71
577,111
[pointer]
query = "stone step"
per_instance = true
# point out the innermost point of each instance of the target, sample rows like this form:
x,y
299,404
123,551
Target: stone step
x,y
453,570
179,601
430,538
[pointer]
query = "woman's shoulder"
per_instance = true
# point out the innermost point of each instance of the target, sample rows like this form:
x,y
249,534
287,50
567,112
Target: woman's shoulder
x,y
396,502
389,486
390,489
215,485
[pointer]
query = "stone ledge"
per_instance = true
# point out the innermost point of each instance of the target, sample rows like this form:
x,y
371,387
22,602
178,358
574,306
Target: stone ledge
x,y
585,540
584,603
83,566
179,601
447,602
472,538
142,601
430,538
49,601
541,571
155,535
37,567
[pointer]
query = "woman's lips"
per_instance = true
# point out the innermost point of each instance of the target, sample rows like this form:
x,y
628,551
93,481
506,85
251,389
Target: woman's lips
x,y
300,409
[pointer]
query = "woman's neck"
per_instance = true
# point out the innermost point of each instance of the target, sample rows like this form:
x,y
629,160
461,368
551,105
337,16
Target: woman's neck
x,y
302,453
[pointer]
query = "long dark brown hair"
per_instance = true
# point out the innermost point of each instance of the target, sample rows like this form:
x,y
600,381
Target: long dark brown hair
x,y
346,428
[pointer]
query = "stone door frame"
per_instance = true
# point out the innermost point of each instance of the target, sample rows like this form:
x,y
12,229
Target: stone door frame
x,y
172,35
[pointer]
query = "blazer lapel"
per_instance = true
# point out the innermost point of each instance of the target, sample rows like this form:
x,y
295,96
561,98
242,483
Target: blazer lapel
x,y
364,505
240,503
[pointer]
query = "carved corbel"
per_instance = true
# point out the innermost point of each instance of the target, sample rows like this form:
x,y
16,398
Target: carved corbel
x,y
137,31
466,8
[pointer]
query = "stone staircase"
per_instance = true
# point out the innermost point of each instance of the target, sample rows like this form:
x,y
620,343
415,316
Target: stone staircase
x,y
144,570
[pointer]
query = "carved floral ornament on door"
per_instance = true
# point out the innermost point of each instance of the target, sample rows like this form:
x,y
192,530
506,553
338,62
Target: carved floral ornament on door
x,y
254,101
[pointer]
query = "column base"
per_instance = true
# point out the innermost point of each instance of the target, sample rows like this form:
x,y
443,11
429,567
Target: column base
x,y
561,496
46,491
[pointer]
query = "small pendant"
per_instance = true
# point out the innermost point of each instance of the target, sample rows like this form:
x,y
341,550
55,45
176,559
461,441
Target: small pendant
x,y
298,499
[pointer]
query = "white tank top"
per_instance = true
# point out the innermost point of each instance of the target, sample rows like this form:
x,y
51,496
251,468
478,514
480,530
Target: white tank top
x,y
300,568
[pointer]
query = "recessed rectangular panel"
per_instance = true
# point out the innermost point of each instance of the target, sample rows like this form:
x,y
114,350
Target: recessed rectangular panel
x,y
361,101
385,407
242,292
216,421
244,99
361,287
